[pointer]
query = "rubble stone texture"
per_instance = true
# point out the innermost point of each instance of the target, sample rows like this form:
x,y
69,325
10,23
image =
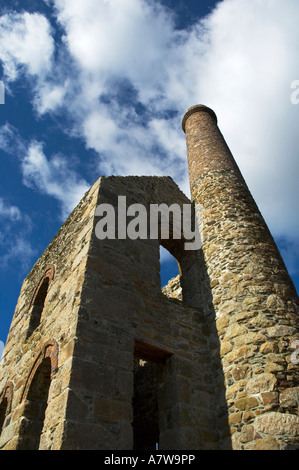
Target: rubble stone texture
x,y
249,299
98,357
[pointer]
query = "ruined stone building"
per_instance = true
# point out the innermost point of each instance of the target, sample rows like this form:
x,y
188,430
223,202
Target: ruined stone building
x,y
98,357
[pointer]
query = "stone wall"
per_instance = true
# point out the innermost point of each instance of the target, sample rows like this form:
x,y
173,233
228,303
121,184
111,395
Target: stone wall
x,y
55,335
103,308
123,315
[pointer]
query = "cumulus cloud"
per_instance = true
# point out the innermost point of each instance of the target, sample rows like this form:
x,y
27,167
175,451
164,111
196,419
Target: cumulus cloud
x,y
53,177
240,60
26,41
127,75
247,70
128,148
118,38
10,140
49,96
8,211
19,250
15,228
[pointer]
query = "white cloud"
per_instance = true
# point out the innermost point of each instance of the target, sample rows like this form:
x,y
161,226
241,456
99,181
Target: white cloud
x,y
128,68
18,249
121,38
10,140
125,149
240,61
9,212
15,244
25,41
245,76
53,177
49,97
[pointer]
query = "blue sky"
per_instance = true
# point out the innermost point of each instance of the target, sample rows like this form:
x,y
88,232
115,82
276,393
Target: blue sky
x,y
100,87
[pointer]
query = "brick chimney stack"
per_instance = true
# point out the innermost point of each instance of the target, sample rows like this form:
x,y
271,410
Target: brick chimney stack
x,y
206,147
249,297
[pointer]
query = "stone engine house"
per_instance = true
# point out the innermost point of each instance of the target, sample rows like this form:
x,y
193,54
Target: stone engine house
x,y
98,357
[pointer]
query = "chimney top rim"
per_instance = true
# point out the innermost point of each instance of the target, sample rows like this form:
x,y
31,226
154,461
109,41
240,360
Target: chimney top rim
x,y
195,109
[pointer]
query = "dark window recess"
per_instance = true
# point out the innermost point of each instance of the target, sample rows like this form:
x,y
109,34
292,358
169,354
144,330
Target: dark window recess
x,y
38,306
149,362
145,406
3,410
35,408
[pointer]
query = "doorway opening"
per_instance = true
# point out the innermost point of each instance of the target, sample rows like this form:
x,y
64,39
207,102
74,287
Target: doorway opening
x,y
145,405
148,370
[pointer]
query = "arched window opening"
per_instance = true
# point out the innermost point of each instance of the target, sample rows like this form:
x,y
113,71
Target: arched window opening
x,y
38,300
170,274
38,305
5,406
181,273
3,413
35,408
